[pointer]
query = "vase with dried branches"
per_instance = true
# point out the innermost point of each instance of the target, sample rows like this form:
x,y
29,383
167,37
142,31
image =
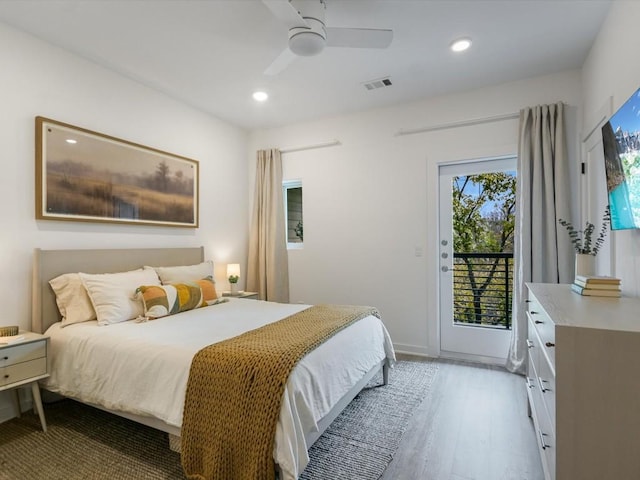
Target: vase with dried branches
x,y
585,245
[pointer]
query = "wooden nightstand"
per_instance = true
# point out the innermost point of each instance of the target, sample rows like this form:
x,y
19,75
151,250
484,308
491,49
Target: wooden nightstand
x,y
24,362
249,295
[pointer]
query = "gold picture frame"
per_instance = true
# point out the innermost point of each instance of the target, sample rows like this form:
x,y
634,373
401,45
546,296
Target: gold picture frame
x,y
86,176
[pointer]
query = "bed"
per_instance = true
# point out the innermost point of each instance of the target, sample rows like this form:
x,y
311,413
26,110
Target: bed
x,y
127,368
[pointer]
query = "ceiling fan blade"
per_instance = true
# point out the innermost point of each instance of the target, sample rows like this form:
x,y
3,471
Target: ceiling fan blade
x,y
281,62
358,37
286,13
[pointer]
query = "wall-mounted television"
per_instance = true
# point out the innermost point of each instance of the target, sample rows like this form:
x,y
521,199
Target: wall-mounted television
x,y
621,142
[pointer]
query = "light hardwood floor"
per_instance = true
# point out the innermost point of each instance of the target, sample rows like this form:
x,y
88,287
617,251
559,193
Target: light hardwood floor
x,y
474,426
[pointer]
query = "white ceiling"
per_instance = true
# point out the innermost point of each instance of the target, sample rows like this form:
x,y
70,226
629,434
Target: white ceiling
x,y
212,54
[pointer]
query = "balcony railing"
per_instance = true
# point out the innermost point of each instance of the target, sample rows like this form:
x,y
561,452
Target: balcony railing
x,y
482,289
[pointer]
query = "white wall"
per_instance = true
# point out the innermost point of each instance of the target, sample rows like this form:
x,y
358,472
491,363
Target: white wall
x,y
39,79
372,201
612,69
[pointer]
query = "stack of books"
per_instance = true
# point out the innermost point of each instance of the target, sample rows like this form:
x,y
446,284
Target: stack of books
x,y
596,286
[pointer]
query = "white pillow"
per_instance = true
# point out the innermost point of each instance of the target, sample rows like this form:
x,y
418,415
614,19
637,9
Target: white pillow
x,y
72,299
113,295
185,273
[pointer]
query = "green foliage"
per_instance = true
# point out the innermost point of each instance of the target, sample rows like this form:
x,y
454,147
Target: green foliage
x,y
233,278
475,231
298,231
582,240
483,222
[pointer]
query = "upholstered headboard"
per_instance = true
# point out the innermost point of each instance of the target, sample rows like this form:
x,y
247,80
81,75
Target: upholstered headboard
x,y
48,264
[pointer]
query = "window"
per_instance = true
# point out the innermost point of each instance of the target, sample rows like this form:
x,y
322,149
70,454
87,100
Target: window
x,y
292,197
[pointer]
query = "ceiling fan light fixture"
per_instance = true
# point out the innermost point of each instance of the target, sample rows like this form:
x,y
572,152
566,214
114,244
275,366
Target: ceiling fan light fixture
x,y
460,45
308,34
306,44
309,37
308,41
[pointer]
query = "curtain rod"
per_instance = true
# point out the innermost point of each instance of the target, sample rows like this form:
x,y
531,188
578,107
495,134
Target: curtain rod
x,y
463,123
332,143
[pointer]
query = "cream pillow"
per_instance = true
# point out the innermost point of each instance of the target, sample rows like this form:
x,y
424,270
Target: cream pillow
x,y
113,295
72,299
185,273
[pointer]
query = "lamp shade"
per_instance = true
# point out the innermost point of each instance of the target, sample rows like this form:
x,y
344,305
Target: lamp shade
x,y
233,269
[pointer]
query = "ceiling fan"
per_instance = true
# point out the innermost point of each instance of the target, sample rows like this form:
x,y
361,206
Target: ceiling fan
x,y
308,34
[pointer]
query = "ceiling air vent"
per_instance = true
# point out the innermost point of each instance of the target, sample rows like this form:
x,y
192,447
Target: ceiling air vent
x,y
379,83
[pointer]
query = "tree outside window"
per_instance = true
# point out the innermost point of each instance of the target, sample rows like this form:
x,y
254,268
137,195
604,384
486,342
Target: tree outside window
x,y
292,197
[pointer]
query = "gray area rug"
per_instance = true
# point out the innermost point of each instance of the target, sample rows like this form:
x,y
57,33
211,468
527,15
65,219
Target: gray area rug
x,y
86,443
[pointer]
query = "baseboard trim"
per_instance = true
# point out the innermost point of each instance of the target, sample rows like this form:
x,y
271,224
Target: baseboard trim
x,y
7,411
413,350
423,352
500,362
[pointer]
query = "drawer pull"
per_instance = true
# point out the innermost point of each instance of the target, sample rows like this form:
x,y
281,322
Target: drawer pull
x,y
550,344
529,343
532,312
527,301
5,358
542,442
529,383
6,376
538,322
542,387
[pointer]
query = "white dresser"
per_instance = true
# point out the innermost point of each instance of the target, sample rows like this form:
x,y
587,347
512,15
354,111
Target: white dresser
x,y
583,383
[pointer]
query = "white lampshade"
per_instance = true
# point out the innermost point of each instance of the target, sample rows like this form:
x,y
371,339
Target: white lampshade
x,y
233,269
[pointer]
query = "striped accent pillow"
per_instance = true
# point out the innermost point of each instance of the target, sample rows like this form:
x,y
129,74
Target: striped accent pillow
x,y
162,300
208,287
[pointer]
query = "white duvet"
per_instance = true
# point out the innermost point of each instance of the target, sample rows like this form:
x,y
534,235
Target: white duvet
x,y
143,368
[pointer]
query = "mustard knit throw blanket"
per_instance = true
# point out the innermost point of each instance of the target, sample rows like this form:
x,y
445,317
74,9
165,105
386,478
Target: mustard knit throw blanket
x,y
235,389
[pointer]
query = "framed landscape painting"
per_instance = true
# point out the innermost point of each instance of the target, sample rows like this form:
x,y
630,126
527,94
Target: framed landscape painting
x,y
90,177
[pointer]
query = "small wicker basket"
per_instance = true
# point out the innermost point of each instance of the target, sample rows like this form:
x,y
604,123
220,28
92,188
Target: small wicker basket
x,y
9,331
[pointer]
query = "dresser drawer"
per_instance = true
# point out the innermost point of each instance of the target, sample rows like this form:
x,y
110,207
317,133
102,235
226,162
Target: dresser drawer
x,y
545,429
22,371
544,328
533,343
532,375
546,382
540,372
547,443
22,353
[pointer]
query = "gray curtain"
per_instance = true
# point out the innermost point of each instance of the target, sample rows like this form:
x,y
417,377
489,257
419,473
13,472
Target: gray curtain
x,y
268,267
542,252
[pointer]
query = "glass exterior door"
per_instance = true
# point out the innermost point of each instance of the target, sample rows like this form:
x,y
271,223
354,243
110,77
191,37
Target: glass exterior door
x,y
476,222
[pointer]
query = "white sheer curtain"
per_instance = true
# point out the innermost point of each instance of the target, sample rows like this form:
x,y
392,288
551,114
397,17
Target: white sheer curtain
x,y
543,195
268,268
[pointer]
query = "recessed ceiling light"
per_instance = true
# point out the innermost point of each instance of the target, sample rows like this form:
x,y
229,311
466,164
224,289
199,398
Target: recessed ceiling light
x,y
461,44
260,96
71,140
